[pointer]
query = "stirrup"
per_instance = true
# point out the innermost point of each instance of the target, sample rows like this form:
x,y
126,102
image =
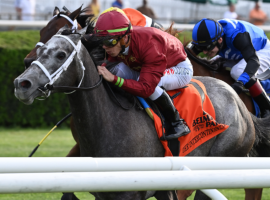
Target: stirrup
x,y
176,135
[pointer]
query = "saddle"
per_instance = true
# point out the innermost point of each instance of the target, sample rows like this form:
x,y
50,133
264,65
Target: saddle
x,y
196,109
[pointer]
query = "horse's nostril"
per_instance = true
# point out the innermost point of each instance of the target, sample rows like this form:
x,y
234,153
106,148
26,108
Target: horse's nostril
x,y
25,84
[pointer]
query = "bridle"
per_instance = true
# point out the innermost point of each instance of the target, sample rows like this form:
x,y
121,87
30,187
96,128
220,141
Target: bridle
x,y
74,26
48,87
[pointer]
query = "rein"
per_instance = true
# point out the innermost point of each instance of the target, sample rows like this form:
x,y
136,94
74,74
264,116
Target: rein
x,y
51,87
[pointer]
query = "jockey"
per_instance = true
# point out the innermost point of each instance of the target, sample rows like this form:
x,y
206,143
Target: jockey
x,y
237,40
150,58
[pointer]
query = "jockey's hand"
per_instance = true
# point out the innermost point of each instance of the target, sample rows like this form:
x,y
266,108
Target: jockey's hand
x,y
107,75
238,86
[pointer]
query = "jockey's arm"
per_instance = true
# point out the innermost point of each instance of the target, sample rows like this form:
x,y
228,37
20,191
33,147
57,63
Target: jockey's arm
x,y
244,44
150,76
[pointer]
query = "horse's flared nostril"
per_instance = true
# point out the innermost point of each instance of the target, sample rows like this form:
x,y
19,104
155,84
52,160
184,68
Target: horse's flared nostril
x,y
25,84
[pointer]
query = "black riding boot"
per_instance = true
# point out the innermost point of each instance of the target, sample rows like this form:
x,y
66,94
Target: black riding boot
x,y
258,94
179,128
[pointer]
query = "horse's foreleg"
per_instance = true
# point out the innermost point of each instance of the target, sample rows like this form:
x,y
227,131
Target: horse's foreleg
x,y
184,194
253,194
73,130
75,151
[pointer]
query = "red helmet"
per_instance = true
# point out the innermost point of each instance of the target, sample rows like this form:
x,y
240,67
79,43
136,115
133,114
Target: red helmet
x,y
113,22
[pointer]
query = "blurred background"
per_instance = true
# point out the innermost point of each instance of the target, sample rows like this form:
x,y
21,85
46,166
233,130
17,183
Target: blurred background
x,y
180,11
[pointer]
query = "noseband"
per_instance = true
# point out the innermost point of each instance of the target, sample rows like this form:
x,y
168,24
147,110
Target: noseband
x,y
46,90
74,26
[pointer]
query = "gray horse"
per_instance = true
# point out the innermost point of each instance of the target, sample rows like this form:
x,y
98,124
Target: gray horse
x,y
106,130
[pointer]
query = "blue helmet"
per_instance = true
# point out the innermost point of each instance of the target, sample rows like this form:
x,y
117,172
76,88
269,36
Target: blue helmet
x,y
206,33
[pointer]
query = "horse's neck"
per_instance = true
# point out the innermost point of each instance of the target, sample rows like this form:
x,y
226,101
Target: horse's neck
x,y
87,105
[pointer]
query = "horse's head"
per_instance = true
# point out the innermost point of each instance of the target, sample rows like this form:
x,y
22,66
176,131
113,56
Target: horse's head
x,y
59,20
52,66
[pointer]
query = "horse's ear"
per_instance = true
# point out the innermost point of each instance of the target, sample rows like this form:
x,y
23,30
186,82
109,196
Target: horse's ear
x,y
62,29
82,31
76,13
56,11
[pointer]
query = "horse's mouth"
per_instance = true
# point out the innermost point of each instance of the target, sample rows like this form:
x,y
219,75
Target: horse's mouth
x,y
26,99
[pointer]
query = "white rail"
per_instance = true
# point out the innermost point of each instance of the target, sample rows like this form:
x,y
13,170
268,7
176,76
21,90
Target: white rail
x,y
35,164
133,181
19,23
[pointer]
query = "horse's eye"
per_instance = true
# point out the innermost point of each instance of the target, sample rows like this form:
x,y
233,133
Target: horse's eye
x,y
61,55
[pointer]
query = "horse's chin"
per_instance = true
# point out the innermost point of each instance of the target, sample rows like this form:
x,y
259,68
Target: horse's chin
x,y
28,100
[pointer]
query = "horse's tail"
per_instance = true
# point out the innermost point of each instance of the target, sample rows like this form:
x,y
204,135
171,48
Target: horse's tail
x,y
261,147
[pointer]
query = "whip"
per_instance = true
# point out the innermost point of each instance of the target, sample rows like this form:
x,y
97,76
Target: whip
x,y
58,124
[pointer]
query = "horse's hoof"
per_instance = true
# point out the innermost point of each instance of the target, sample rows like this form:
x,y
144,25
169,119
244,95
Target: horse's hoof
x,y
69,196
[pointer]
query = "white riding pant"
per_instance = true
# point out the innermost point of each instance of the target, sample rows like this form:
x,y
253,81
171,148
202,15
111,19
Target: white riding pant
x,y
173,78
264,58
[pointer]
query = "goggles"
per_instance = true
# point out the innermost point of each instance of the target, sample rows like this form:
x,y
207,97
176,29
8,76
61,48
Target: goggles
x,y
209,47
110,42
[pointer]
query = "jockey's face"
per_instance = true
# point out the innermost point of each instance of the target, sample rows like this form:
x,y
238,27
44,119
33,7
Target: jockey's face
x,y
115,50
214,51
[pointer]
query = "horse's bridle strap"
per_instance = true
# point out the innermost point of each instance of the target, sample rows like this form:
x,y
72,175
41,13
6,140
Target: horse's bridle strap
x,y
77,48
39,44
43,69
74,26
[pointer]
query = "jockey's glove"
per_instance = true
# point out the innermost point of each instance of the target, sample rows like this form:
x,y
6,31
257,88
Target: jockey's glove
x,y
238,86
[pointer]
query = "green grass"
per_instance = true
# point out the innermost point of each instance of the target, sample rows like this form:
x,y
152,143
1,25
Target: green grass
x,y
20,142
19,39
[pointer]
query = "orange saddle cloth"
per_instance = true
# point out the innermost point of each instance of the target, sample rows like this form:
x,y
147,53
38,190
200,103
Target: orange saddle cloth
x,y
200,118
